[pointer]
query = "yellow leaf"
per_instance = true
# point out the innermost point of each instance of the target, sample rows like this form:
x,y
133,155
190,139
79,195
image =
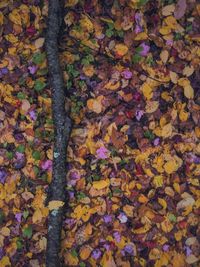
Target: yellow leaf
x,y
101,184
178,260
70,260
95,104
176,187
174,77
151,106
88,70
147,91
112,85
162,261
85,252
37,216
121,50
171,22
107,260
5,262
167,130
142,230
70,3
189,92
143,199
166,225
164,55
5,231
183,115
171,166
86,24
141,36
15,17
188,71
162,202
165,30
158,181
55,204
128,209
39,42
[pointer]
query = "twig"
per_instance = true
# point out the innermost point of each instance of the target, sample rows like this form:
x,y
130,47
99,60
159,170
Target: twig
x,y
62,129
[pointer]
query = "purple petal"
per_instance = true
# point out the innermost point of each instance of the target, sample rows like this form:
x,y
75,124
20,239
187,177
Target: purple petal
x,y
129,249
139,114
117,236
145,49
32,69
3,175
18,217
122,217
156,141
46,165
166,247
33,115
127,74
102,153
96,254
107,218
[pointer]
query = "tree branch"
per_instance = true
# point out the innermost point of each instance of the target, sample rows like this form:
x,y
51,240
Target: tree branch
x,y
62,129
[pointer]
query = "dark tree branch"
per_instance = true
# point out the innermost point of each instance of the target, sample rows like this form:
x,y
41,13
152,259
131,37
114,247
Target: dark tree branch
x,y
62,129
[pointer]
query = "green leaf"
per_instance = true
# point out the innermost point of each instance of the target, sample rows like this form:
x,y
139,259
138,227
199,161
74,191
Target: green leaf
x,y
109,33
138,49
82,264
25,214
74,253
172,217
20,149
9,155
142,2
136,58
39,85
36,155
81,195
21,96
36,170
38,58
27,232
19,243
2,217
69,84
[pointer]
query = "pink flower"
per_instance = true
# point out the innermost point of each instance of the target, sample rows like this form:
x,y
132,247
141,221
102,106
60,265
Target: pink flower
x,y
127,74
145,49
46,165
102,153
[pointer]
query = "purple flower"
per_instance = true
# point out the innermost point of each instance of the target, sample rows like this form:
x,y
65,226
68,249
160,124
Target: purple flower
x,y
156,141
188,251
32,69
18,217
129,249
19,156
117,236
106,246
96,254
3,175
169,42
127,74
33,115
107,218
46,165
139,114
4,70
166,247
122,217
145,49
138,19
102,153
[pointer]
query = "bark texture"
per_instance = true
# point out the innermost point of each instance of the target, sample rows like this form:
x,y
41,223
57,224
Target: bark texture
x,y
62,129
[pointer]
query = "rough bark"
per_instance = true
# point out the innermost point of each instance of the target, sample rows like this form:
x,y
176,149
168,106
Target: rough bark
x,y
62,128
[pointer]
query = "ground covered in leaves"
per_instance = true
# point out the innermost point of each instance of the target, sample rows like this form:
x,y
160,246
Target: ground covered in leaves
x,y
132,76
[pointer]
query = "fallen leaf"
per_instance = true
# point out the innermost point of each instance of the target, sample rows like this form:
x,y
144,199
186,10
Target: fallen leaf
x,y
55,204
